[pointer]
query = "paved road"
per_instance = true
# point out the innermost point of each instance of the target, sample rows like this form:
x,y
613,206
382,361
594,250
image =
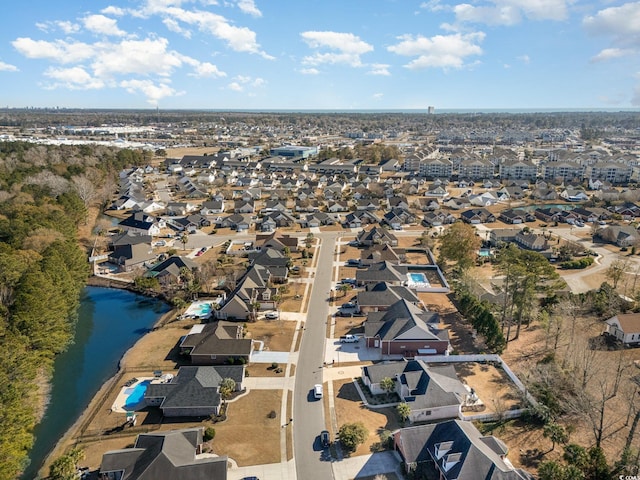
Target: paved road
x,y
308,414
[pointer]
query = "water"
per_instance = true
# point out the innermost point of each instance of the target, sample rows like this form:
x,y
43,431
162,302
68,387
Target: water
x,y
136,395
109,322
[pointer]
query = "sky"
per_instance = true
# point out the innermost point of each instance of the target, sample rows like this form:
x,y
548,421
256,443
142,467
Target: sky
x,y
321,54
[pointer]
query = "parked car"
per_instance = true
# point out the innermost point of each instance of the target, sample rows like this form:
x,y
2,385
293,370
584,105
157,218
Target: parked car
x,y
348,339
349,281
353,262
271,315
317,391
348,305
324,438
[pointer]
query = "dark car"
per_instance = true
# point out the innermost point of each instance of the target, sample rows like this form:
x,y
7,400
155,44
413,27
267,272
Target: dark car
x,y
249,478
324,438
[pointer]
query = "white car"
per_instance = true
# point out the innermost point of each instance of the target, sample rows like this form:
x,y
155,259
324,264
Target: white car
x,y
271,315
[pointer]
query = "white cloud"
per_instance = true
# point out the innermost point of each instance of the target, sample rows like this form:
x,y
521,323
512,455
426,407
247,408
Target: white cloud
x,y
611,53
102,25
440,51
622,23
432,6
348,48
154,92
67,27
207,69
511,12
249,6
379,69
7,67
144,57
241,82
74,78
175,27
113,10
378,95
239,39
59,51
309,71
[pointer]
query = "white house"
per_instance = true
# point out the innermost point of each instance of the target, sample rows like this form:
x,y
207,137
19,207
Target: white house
x,y
625,327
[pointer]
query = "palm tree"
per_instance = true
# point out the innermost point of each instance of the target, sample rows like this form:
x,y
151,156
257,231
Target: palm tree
x,y
226,388
404,411
184,239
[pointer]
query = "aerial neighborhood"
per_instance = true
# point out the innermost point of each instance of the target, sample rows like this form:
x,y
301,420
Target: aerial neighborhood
x,y
397,300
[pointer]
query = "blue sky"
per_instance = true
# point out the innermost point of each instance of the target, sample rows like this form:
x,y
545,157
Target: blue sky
x,y
321,54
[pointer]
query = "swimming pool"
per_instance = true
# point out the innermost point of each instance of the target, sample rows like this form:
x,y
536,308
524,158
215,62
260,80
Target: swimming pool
x,y
135,395
418,278
199,309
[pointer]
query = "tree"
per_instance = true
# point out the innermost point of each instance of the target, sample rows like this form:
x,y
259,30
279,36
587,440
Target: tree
x,y
460,245
556,433
352,434
184,239
66,466
404,411
226,388
615,271
388,384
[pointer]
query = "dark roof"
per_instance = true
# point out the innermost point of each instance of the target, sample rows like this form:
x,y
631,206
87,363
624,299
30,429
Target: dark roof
x,y
194,386
218,338
383,294
382,272
168,455
405,320
128,238
172,265
470,455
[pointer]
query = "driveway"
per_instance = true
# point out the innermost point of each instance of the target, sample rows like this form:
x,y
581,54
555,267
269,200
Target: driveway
x,y
348,352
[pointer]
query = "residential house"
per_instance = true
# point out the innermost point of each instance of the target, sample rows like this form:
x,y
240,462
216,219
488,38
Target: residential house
x,y
131,256
477,216
244,206
316,219
194,391
433,392
180,208
381,252
358,219
405,330
237,221
531,241
215,343
377,297
337,206
212,207
368,204
142,224
277,241
455,450
503,235
253,292
574,195
170,271
384,271
437,219
516,216
397,217
376,235
625,327
620,235
128,238
484,199
436,191
170,455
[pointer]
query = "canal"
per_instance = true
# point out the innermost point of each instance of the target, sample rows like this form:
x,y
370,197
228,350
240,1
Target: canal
x,y
110,321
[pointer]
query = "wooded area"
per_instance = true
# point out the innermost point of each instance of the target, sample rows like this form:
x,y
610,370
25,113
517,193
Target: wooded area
x,y
44,195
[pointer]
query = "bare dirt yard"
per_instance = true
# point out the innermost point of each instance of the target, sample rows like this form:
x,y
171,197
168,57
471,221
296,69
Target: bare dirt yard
x,y
277,335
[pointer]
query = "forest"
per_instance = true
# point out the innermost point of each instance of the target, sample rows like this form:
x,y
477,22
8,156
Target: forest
x,y
45,193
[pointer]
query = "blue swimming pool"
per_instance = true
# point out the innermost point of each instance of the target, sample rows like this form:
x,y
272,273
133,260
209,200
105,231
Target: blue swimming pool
x,y
136,394
418,278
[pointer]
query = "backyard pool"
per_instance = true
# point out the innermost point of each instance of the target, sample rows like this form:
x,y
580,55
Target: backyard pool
x,y
418,278
199,310
135,395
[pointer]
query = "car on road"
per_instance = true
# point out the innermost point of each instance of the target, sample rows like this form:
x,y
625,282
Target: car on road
x,y
324,438
271,315
249,478
317,391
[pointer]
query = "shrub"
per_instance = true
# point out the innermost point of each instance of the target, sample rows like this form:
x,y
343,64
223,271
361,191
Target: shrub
x,y
272,414
209,434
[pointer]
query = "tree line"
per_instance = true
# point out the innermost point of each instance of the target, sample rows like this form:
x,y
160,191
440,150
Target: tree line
x,y
44,195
